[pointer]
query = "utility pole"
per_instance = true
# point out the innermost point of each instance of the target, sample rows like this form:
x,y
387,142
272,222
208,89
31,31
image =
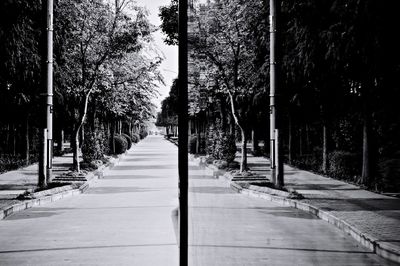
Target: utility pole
x,y
276,163
49,81
183,133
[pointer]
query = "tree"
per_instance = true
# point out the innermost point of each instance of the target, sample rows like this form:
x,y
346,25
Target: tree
x,y
168,117
20,74
169,22
98,33
224,39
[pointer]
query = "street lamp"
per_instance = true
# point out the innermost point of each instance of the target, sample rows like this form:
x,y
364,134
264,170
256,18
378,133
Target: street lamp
x,y
49,89
276,164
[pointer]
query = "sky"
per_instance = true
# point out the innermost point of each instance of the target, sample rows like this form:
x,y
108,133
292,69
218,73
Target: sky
x,y
169,67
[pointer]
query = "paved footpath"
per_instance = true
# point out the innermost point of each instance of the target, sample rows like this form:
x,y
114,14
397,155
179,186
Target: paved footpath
x,y
227,228
123,219
372,214
16,182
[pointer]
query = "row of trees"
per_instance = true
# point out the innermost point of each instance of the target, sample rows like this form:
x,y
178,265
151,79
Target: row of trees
x,y
105,71
337,90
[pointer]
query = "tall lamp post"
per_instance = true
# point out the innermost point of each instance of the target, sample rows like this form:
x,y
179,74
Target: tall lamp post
x,y
49,81
276,163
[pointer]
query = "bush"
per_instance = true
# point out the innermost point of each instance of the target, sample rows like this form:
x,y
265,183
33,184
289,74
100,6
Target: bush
x,y
192,144
226,147
121,144
202,144
135,138
10,162
344,165
310,162
128,139
93,147
389,175
221,145
143,134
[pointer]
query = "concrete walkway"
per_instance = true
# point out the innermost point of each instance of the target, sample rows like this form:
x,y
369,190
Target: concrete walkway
x,y
227,228
374,215
16,182
123,219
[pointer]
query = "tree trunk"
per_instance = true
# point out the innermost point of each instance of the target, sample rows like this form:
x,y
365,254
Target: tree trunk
x,y
254,137
8,138
82,135
243,160
232,126
78,129
27,151
307,145
290,140
60,144
93,120
224,122
324,149
301,141
197,132
75,150
112,140
366,163
14,140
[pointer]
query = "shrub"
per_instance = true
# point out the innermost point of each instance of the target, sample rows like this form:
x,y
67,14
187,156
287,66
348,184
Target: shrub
x,y
128,139
120,144
221,145
344,165
308,162
94,146
389,174
135,138
202,144
199,140
226,147
10,162
192,144
143,133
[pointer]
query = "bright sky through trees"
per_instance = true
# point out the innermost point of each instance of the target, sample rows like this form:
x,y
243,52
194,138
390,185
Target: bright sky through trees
x,y
169,67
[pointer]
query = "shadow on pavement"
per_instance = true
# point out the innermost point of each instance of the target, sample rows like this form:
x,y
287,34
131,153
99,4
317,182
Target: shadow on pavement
x,y
143,167
291,214
17,186
86,247
285,248
116,190
212,190
38,212
133,177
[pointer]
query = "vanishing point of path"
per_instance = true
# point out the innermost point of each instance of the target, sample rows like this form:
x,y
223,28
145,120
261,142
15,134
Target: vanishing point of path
x,y
125,219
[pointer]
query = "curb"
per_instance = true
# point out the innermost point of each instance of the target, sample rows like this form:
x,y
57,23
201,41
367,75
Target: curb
x,y
383,249
58,193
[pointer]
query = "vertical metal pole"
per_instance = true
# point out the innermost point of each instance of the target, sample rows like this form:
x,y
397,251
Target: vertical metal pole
x,y
183,136
272,86
43,160
278,160
49,111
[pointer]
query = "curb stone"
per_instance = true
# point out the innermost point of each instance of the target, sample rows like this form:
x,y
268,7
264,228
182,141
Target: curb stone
x,y
383,249
58,193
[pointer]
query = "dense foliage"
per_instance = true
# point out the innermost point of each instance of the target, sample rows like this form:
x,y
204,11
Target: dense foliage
x,y
337,90
105,74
